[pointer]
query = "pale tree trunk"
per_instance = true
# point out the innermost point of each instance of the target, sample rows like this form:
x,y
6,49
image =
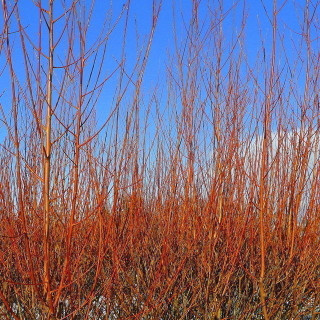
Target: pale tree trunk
x,y
47,164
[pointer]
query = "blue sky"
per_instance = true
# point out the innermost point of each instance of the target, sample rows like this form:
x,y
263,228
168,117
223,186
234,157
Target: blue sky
x,y
258,34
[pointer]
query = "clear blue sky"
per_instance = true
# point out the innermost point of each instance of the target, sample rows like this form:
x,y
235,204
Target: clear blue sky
x,y
258,32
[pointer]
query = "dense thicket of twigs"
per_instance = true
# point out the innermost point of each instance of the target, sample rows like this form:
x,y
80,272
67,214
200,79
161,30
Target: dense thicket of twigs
x,y
200,200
